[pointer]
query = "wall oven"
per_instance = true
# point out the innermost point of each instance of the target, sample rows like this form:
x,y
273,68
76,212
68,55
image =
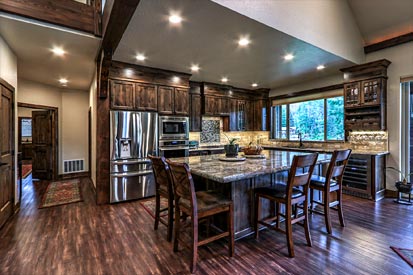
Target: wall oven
x,y
171,127
174,148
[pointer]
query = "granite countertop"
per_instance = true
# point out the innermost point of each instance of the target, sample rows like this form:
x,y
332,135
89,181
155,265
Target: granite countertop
x,y
211,167
325,150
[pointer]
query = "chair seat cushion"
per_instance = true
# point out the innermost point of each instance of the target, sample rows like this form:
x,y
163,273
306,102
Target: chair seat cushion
x,y
319,181
279,190
207,200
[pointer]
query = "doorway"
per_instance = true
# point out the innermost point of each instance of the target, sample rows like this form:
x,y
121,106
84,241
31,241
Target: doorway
x,y
38,139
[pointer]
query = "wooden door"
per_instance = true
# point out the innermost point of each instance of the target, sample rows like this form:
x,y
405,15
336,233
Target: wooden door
x,y
165,100
44,144
181,100
146,98
195,115
122,95
6,155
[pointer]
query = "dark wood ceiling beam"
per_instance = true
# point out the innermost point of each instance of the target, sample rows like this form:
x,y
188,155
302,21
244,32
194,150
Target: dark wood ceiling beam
x,y
116,17
66,13
408,37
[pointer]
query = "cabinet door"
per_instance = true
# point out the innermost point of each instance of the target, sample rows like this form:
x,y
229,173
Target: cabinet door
x,y
233,115
352,94
371,92
260,115
181,102
223,106
122,95
146,98
165,100
249,115
195,113
210,105
241,115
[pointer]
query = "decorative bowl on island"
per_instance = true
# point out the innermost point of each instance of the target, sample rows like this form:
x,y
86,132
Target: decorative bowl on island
x,y
252,150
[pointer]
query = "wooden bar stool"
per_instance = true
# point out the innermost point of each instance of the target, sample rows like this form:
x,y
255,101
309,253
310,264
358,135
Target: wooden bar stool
x,y
164,189
331,183
289,194
198,205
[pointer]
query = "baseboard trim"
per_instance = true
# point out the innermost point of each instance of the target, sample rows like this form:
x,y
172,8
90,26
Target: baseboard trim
x,y
390,193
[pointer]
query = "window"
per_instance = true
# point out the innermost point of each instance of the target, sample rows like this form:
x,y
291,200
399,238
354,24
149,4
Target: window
x,y
315,120
26,129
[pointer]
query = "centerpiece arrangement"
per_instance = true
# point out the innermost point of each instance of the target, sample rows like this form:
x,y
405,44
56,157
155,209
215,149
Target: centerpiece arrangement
x,y
252,149
232,148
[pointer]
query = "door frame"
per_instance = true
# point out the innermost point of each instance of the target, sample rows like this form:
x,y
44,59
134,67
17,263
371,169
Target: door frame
x,y
55,134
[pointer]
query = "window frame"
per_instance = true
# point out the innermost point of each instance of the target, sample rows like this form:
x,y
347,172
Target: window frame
x,y
273,136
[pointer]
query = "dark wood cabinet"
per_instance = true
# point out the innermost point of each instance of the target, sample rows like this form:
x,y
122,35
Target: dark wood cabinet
x,y
260,115
195,113
365,96
122,95
146,97
181,101
165,100
210,105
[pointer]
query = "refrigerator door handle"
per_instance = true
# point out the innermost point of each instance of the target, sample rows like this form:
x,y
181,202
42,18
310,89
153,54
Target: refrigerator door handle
x,y
131,174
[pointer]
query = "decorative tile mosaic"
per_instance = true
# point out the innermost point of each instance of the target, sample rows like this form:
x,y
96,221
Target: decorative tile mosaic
x,y
210,131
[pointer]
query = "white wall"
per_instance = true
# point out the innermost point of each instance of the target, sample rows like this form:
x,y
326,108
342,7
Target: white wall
x,y
402,65
92,104
72,116
327,24
8,72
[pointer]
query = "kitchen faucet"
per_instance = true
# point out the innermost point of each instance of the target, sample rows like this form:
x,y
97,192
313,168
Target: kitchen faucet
x,y
301,140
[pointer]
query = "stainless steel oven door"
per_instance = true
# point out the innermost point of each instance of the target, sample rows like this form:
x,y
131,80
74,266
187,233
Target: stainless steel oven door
x,y
131,185
174,152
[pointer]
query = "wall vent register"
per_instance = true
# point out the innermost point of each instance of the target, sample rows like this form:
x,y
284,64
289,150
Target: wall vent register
x,y
73,166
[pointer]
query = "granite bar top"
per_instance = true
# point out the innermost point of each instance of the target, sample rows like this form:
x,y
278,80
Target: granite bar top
x,y
212,168
325,150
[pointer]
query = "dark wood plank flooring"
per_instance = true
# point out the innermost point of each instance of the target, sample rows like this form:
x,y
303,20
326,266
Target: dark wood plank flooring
x,y
83,238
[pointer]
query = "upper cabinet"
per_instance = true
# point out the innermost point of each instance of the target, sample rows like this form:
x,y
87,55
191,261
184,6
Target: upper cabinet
x,y
365,96
140,88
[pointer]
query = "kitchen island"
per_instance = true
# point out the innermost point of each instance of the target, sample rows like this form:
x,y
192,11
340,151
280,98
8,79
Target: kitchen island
x,y
238,180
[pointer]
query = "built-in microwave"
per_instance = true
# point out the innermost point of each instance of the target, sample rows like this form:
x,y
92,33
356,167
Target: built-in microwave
x,y
172,127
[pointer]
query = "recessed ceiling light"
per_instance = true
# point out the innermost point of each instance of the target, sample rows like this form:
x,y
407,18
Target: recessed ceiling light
x,y
244,41
175,79
175,19
320,67
63,81
254,84
194,68
288,56
58,51
140,57
224,79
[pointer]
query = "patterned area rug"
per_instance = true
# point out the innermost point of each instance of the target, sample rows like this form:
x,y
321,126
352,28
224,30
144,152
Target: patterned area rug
x,y
26,170
149,206
405,254
61,192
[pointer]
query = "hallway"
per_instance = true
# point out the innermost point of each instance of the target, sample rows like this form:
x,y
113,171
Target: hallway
x,y
83,238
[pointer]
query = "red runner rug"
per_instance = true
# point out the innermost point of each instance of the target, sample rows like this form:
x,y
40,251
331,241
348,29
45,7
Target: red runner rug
x,y
61,192
26,170
405,254
150,204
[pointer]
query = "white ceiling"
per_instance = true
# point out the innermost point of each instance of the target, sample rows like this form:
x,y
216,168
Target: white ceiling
x,y
208,36
379,20
31,41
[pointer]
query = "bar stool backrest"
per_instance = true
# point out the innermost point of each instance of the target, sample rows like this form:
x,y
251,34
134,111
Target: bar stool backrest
x,y
337,165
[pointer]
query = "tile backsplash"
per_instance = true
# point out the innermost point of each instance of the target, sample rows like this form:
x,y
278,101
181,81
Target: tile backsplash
x,y
210,131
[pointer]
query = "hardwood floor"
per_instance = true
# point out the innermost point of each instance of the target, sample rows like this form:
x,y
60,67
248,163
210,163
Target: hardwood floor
x,y
83,238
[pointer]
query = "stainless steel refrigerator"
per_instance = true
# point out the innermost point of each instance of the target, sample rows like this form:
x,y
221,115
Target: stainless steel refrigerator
x,y
134,135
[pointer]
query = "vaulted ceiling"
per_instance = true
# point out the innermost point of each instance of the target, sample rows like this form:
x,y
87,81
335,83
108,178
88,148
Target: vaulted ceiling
x,y
331,33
